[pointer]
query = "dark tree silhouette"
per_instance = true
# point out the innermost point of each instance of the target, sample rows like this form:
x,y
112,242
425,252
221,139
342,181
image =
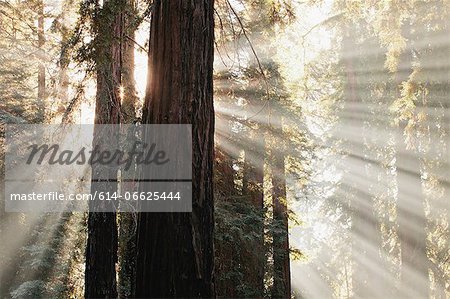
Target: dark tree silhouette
x,y
175,255
101,251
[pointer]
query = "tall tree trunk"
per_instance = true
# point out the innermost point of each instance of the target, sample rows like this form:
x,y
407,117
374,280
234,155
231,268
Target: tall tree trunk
x,y
64,60
412,221
63,88
224,183
127,220
130,97
41,66
101,251
226,260
175,254
253,252
281,260
8,264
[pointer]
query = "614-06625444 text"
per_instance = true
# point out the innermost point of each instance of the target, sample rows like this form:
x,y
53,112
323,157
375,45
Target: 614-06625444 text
x,y
108,196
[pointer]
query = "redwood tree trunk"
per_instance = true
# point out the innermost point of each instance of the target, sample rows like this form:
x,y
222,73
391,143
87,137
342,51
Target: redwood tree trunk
x,y
175,254
281,260
101,251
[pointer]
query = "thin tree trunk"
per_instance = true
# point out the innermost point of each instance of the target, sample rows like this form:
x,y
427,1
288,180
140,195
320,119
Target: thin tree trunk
x,y
253,252
41,66
64,60
175,255
130,97
128,220
225,191
101,251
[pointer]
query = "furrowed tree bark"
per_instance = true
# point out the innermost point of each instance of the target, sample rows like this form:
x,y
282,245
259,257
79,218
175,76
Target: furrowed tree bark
x,y
281,261
175,255
101,251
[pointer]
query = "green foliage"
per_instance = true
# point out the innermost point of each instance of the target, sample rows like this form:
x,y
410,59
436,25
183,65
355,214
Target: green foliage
x,y
17,73
93,25
50,260
237,226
